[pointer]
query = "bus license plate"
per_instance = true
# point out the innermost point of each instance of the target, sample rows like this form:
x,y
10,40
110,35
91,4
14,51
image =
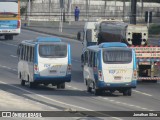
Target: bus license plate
x,y
53,71
117,77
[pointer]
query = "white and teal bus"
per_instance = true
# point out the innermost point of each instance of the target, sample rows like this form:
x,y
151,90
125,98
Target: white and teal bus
x,y
110,67
44,61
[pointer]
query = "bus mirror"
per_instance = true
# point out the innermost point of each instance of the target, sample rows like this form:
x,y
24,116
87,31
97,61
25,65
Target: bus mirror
x,y
80,35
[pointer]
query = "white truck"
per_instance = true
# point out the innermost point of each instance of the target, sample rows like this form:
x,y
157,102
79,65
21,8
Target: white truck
x,y
135,36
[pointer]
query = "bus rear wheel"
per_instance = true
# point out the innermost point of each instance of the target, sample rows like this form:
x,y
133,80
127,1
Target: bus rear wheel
x,y
62,85
8,37
22,82
32,84
127,92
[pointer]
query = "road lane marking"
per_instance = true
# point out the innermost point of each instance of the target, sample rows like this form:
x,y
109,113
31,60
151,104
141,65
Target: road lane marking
x,y
8,68
126,104
53,100
76,60
114,101
142,93
8,44
13,56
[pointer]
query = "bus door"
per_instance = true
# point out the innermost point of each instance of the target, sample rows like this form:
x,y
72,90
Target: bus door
x,y
117,65
53,59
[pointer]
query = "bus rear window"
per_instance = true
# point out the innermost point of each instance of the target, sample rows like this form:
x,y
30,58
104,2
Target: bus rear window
x,y
53,50
117,56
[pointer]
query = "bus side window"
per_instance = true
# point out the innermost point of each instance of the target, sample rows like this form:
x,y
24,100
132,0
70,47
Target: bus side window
x,y
18,50
29,48
85,57
94,60
27,53
22,52
90,59
30,54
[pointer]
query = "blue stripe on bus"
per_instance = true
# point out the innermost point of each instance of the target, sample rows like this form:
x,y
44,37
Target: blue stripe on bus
x,y
66,78
69,54
8,24
102,84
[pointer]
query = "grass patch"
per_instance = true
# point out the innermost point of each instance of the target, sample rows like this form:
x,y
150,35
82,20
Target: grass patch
x,y
154,29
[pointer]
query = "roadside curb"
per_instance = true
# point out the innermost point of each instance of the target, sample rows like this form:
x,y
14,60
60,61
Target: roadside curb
x,y
70,36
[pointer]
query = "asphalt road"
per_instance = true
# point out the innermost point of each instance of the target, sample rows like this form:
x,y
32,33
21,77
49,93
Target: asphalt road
x,y
146,97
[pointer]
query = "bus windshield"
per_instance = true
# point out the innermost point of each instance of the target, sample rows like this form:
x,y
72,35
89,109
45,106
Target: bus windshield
x,y
53,50
8,8
117,56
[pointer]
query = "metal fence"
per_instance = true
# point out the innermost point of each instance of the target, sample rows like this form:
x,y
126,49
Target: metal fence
x,y
52,12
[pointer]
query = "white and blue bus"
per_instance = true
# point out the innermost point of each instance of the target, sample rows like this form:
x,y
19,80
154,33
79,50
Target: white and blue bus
x,y
46,60
110,67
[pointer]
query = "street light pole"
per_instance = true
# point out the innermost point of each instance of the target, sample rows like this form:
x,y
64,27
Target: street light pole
x,y
29,11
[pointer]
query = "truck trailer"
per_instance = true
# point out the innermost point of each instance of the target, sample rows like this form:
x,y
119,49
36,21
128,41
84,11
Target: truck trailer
x,y
135,36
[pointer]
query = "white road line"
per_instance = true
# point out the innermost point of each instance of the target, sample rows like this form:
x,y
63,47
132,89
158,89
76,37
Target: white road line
x,y
126,104
116,102
13,56
76,60
56,101
8,43
53,100
142,93
8,68
74,88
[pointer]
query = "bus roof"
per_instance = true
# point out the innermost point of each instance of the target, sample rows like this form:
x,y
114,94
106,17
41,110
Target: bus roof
x,y
107,45
48,39
112,44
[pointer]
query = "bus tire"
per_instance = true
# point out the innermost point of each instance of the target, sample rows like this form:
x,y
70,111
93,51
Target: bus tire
x,y
97,92
58,86
62,85
89,89
127,92
6,37
22,82
11,37
31,84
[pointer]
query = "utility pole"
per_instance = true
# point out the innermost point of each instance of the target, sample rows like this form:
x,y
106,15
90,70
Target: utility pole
x,y
133,12
124,6
29,12
105,5
141,8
